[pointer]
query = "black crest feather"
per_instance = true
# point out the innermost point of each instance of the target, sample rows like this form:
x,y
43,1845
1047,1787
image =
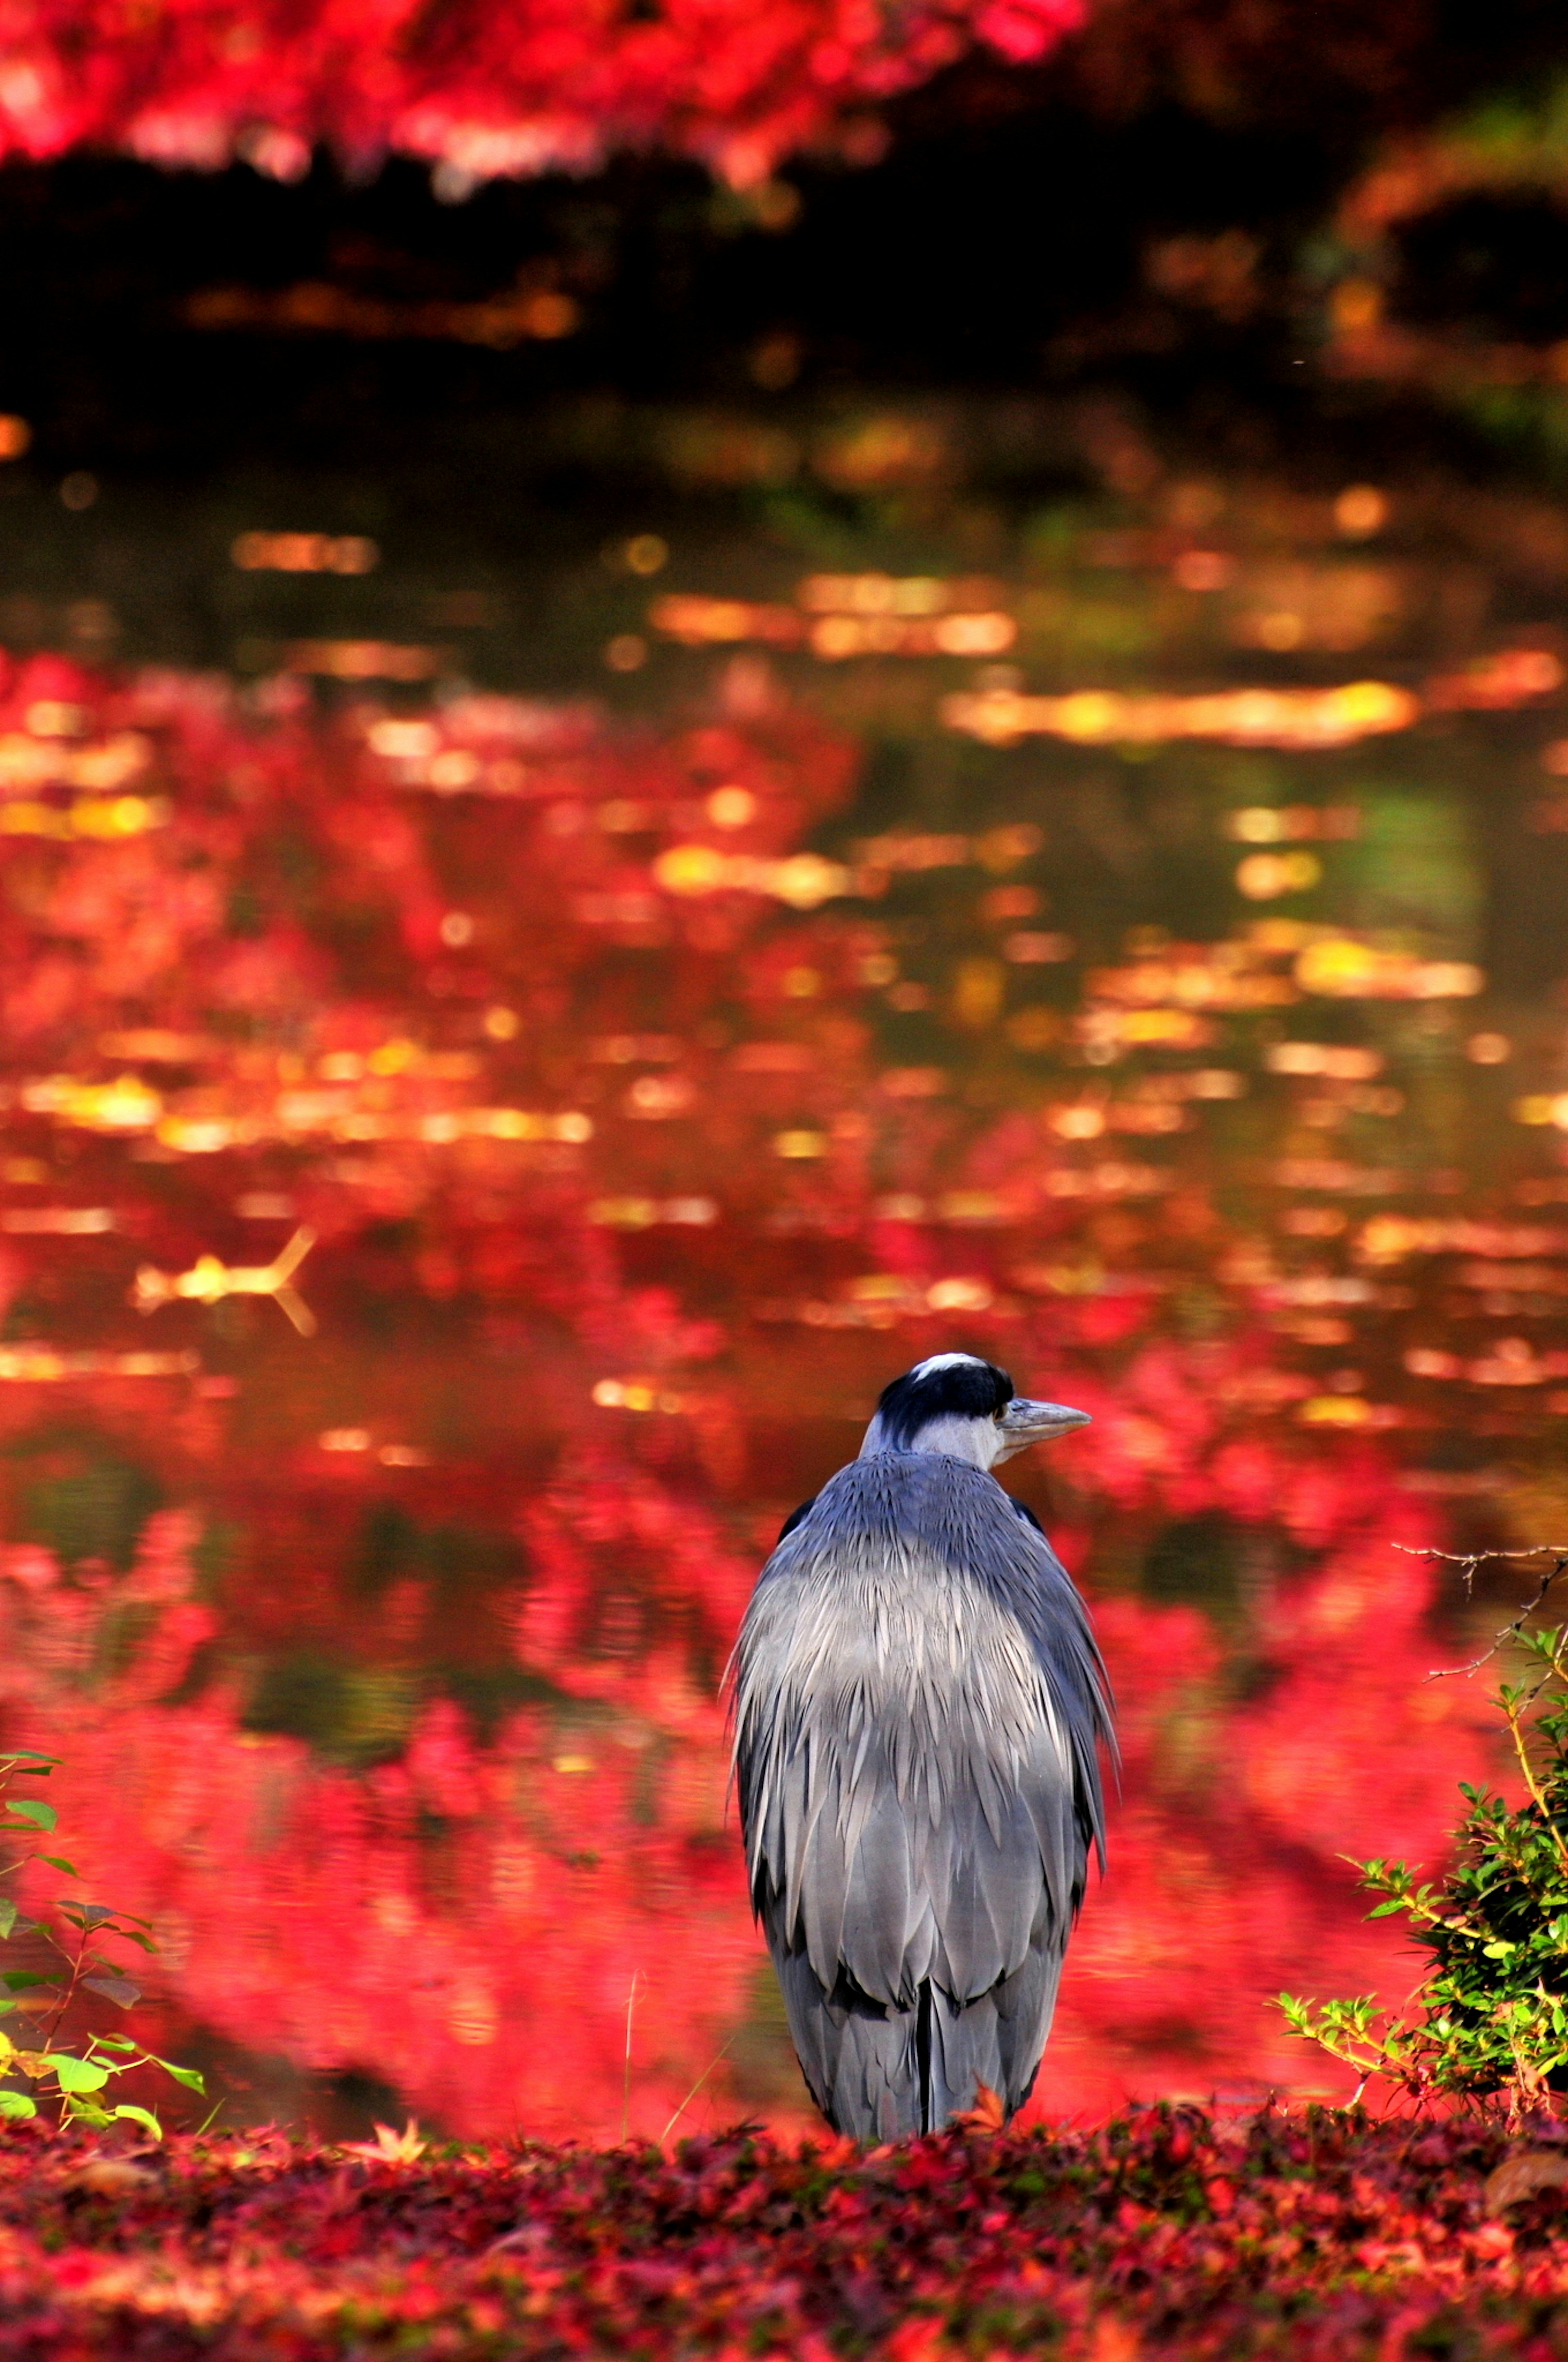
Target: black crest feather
x,y
962,1387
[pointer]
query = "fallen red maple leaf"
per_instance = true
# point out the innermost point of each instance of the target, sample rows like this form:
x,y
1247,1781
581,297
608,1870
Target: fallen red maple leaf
x,y
987,2116
389,2147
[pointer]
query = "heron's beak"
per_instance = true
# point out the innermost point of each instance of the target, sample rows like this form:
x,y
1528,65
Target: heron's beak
x,y
1024,1422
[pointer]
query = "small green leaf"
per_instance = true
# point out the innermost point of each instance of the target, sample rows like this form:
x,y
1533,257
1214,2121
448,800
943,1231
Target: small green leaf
x,y
86,2112
17,2103
22,1980
7,1916
31,1808
186,2075
77,2074
58,1861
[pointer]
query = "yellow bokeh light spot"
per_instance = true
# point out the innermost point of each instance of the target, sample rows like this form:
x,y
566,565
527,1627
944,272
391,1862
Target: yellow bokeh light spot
x,y
454,769
691,869
960,1296
1335,1410
1361,510
731,807
1263,876
402,742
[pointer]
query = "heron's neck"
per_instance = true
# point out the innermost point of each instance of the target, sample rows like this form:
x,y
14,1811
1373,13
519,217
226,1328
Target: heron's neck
x,y
976,1441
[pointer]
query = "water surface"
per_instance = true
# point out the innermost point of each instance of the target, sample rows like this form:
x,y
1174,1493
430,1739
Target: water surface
x,y
520,1014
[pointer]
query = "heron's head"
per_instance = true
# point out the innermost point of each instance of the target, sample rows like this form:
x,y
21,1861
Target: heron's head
x,y
957,1404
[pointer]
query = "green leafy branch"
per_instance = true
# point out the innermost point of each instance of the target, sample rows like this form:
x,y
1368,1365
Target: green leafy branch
x,y
1488,2016
76,2080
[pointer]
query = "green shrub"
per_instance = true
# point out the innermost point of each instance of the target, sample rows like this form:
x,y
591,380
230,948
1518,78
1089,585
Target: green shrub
x,y
1489,2017
75,2082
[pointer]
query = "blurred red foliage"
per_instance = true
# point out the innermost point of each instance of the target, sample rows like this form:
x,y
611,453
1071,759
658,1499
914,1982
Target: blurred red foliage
x,y
484,91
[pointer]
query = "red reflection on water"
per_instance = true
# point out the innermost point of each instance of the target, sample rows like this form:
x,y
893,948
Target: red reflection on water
x,y
385,1658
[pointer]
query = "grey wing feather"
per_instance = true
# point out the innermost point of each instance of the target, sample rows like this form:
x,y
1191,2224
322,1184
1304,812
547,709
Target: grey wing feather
x,y
860,2059
996,2040
919,1704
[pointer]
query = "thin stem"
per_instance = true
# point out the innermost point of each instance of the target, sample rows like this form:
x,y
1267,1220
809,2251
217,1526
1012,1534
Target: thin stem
x,y
626,2087
78,1962
1516,1731
691,2096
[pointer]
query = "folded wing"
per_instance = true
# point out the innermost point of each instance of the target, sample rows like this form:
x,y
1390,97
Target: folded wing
x,y
918,1700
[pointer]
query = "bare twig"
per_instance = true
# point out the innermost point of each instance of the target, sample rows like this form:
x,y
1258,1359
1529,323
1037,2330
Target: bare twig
x,y
1515,1704
1470,1561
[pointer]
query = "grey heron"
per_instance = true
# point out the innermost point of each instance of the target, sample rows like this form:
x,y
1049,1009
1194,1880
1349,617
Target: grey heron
x,y
919,1706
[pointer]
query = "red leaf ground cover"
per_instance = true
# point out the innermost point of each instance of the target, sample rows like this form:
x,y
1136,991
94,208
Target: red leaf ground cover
x,y
1313,2234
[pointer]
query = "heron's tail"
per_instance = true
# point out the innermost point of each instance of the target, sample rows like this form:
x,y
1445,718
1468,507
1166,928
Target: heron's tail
x,y
882,2073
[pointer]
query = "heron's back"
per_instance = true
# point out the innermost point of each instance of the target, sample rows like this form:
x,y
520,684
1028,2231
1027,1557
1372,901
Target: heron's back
x,y
917,1700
